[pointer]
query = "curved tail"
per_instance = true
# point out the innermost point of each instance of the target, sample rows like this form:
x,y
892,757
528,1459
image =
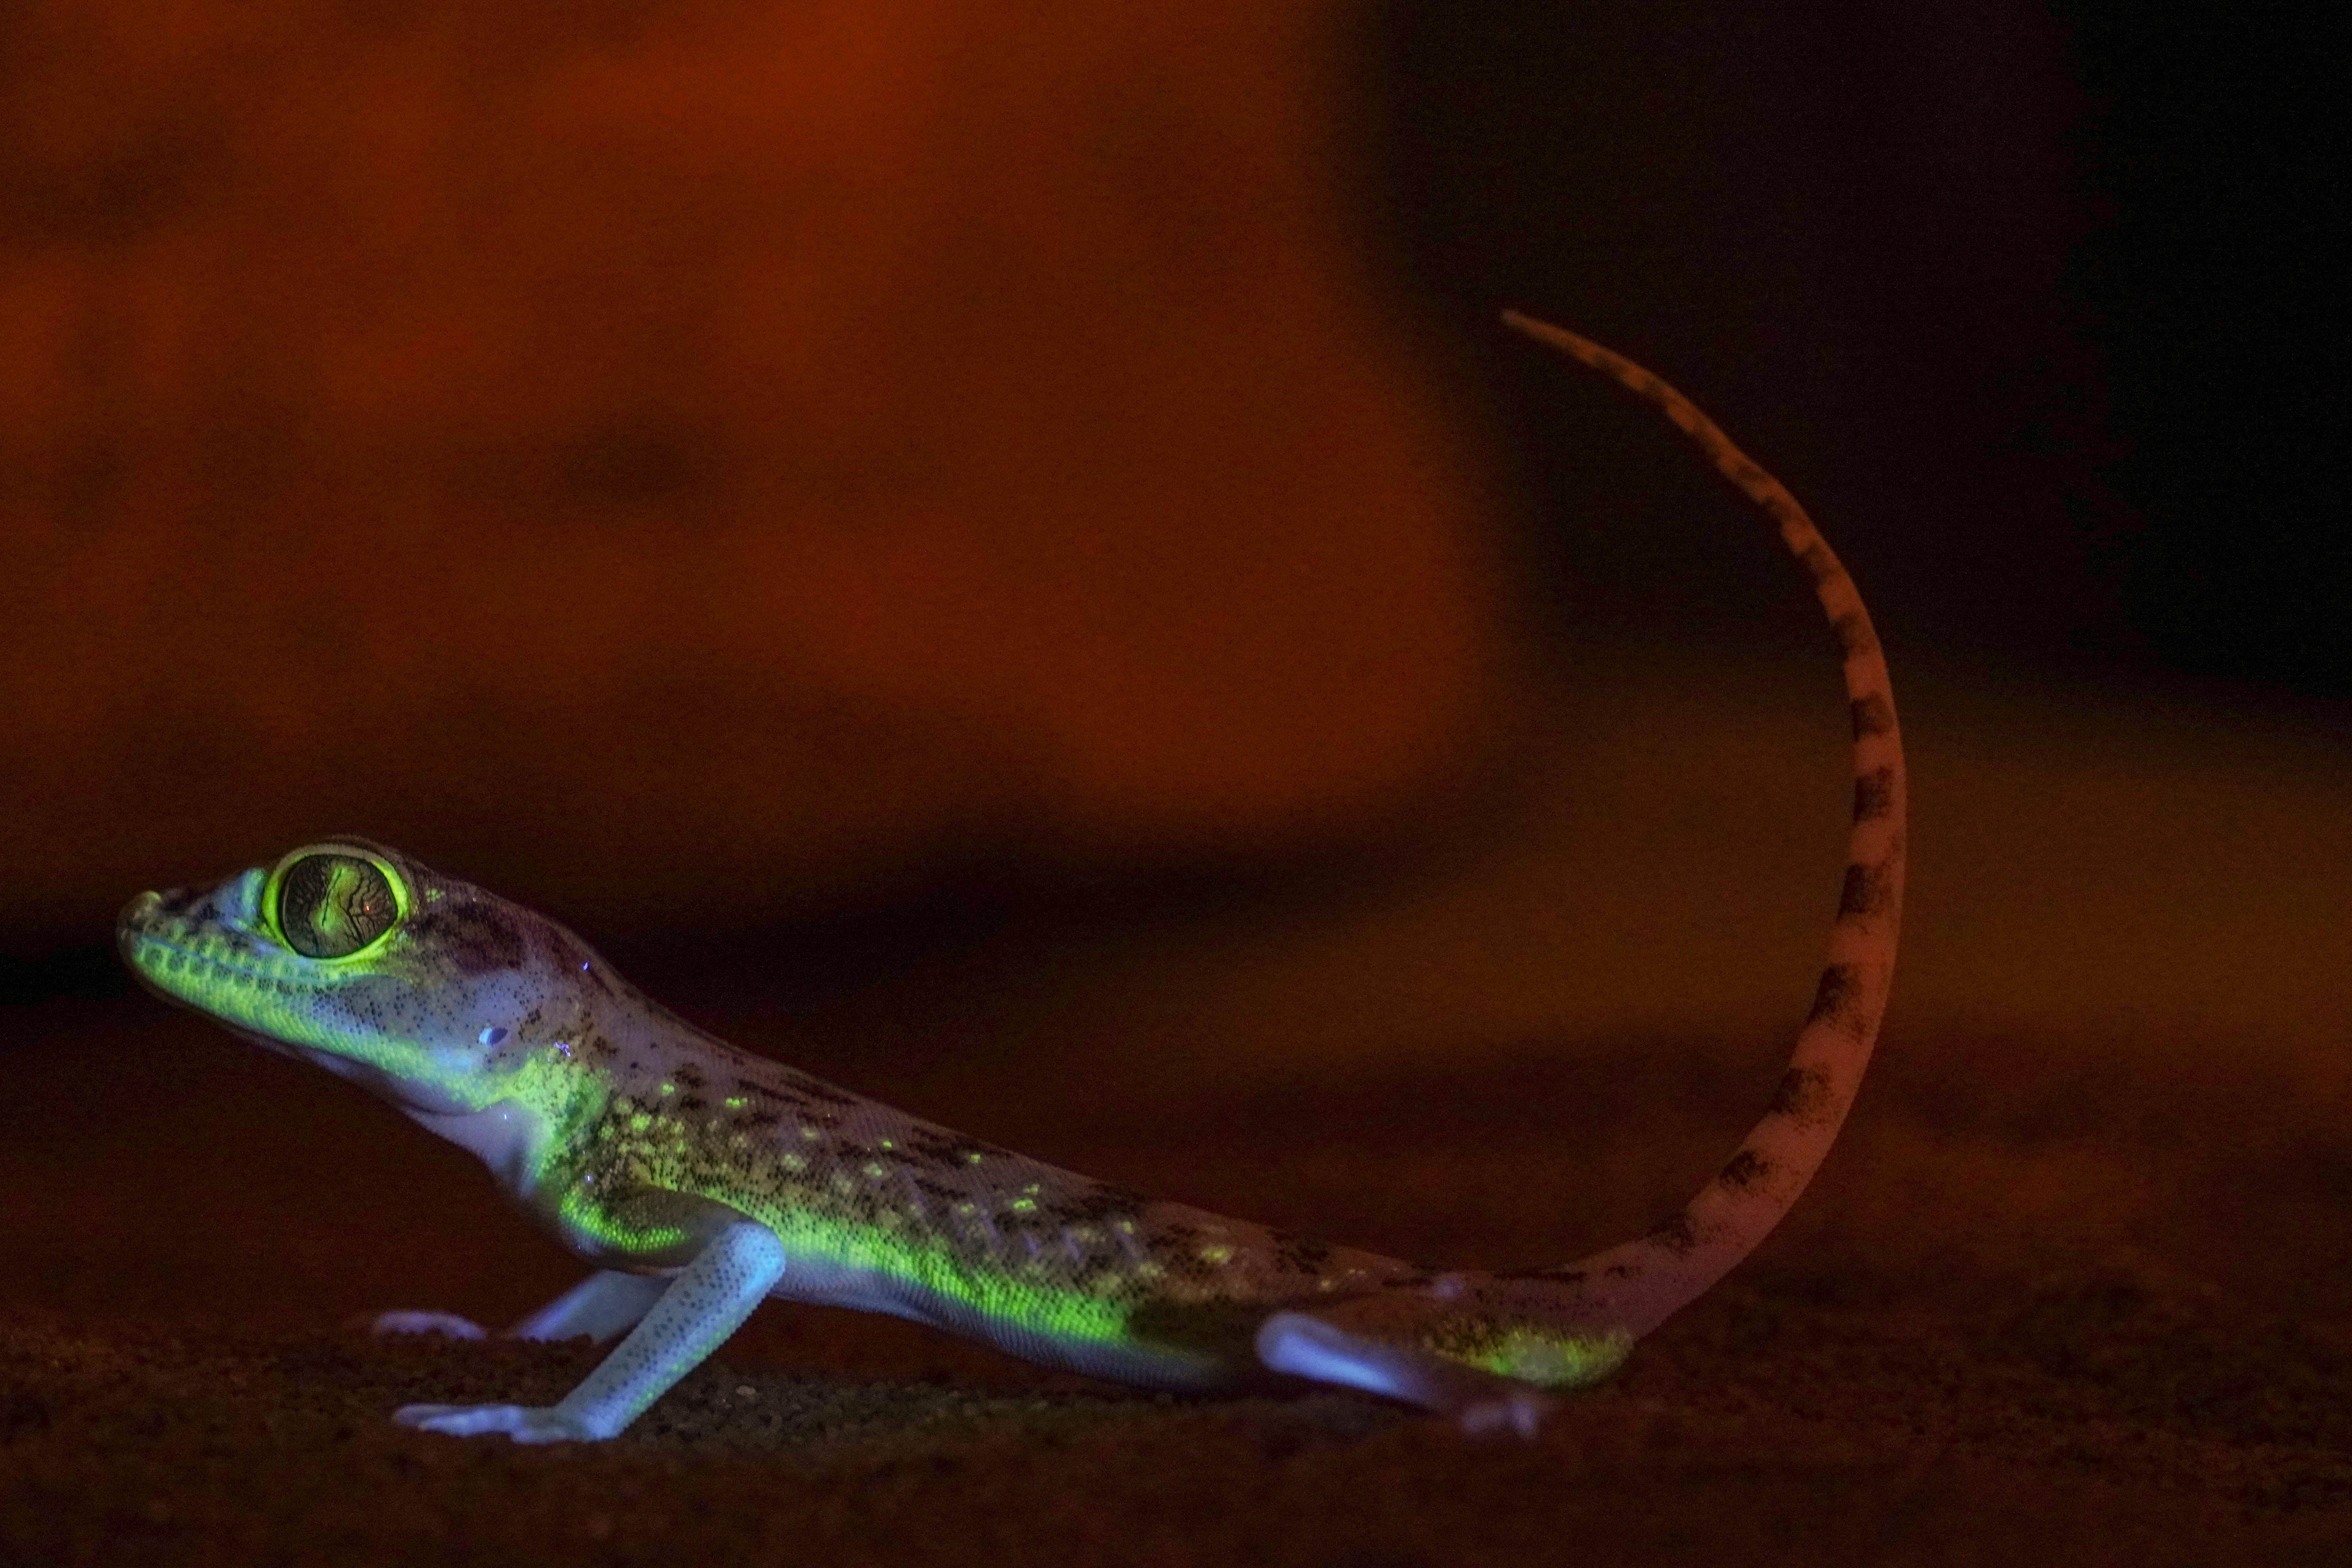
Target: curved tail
x,y
1634,1288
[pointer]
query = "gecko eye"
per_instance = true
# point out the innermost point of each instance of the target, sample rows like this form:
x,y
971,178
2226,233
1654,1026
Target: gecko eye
x,y
332,905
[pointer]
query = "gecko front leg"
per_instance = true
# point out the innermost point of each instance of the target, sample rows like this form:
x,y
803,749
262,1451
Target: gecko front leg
x,y
691,1318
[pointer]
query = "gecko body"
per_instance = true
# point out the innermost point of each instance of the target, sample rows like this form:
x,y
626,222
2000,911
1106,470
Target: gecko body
x,y
700,1180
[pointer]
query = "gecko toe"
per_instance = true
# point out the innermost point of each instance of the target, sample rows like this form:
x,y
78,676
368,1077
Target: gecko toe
x,y
524,1422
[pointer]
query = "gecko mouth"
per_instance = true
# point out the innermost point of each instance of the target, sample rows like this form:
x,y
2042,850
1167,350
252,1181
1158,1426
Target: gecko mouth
x,y
175,953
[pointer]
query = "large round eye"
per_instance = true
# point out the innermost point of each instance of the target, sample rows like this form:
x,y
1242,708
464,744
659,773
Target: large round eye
x,y
332,905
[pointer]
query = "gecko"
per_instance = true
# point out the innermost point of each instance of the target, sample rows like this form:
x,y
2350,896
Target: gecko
x,y
700,1180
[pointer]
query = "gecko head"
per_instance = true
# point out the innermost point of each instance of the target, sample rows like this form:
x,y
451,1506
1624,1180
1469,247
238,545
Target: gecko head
x,y
348,953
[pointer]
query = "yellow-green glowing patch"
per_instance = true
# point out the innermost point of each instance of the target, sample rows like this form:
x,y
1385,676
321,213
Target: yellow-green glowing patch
x,y
1532,1351
1001,1296
592,1219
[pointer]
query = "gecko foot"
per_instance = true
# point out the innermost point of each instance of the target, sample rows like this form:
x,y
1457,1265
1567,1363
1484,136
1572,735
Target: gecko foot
x,y
383,1325
1481,1403
524,1422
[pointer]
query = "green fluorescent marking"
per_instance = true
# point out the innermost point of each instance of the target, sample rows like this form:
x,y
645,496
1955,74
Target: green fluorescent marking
x,y
294,1000
996,1294
1550,1357
668,1158
281,997
584,1214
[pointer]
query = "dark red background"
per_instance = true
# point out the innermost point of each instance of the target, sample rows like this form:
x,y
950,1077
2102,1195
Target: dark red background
x,y
998,550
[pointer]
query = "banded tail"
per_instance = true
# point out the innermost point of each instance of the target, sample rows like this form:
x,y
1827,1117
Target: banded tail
x,y
1470,1343
1635,1287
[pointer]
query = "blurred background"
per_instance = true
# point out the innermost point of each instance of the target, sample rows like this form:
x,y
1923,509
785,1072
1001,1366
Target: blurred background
x,y
987,545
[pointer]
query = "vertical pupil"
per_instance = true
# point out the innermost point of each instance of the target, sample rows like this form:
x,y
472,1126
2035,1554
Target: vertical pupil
x,y
331,906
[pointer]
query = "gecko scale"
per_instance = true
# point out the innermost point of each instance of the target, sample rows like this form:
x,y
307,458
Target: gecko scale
x,y
700,1180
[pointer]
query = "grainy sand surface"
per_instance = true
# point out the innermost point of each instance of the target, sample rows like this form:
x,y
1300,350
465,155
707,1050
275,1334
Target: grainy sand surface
x,y
721,465
1992,1333
2074,1288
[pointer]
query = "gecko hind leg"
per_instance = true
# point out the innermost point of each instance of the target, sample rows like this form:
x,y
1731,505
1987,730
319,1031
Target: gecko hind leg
x,y
1483,1404
606,1303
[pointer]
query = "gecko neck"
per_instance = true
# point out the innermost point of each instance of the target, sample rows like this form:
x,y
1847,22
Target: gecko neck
x,y
509,1136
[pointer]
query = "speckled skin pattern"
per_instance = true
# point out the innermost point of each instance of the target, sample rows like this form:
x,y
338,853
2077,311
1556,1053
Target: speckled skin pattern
x,y
652,1149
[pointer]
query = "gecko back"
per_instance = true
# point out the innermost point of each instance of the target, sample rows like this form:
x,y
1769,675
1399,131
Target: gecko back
x,y
700,1180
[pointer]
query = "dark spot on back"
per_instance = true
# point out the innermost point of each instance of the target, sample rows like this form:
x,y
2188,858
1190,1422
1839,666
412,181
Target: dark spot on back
x,y
817,1088
950,1150
1097,1204
472,937
1025,1222
1297,1255
764,1092
1872,716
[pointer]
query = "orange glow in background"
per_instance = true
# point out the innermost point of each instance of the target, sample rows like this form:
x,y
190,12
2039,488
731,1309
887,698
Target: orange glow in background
x,y
741,450
994,549
692,466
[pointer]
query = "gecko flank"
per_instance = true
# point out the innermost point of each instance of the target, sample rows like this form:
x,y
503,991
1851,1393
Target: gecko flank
x,y
700,1180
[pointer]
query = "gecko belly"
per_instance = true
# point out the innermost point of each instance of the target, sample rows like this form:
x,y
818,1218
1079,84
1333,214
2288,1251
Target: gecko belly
x,y
1098,1337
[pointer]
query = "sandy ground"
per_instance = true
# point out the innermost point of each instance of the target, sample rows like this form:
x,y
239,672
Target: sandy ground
x,y
1981,1341
326,324
2072,1289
